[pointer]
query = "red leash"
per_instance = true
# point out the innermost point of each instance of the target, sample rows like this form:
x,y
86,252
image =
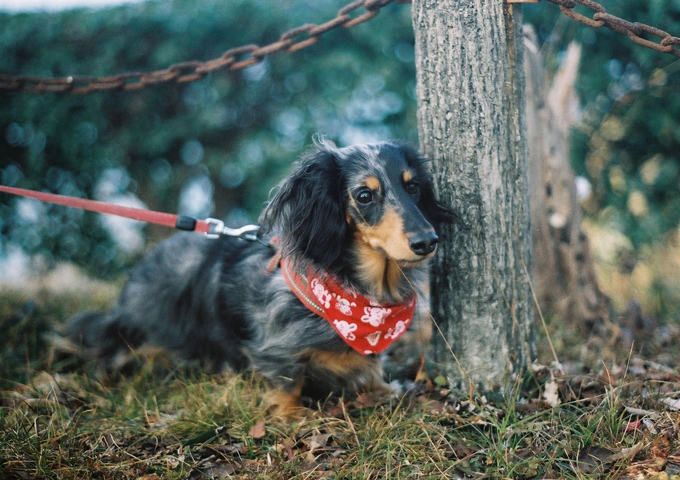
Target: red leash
x,y
210,226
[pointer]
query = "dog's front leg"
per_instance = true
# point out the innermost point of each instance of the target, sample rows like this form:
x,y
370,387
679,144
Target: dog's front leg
x,y
286,377
284,402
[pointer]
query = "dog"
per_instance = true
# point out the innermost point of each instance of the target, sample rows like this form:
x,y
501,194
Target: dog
x,y
356,226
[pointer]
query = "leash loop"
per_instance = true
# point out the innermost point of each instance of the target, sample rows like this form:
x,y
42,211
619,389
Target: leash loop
x,y
212,227
217,228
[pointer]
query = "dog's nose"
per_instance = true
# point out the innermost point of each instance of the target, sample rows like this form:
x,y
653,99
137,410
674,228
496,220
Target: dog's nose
x,y
423,243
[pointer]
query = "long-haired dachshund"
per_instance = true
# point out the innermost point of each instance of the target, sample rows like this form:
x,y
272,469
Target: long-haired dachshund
x,y
354,229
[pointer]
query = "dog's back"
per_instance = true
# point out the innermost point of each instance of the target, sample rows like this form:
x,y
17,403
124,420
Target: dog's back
x,y
174,300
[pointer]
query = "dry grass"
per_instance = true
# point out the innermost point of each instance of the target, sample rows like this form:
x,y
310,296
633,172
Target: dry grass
x,y
650,276
613,420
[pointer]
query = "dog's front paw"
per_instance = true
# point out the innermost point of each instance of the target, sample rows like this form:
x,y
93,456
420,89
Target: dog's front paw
x,y
383,391
286,405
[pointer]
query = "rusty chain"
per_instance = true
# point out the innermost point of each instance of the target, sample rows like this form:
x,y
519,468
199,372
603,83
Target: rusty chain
x,y
294,40
634,30
183,72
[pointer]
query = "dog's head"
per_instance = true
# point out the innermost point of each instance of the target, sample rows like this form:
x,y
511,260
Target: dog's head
x,y
379,195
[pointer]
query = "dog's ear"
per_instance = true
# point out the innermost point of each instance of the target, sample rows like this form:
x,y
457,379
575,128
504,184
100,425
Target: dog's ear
x,y
307,213
435,211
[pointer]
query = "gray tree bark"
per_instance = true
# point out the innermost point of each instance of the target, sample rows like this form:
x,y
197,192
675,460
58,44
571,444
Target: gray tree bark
x,y
471,123
565,281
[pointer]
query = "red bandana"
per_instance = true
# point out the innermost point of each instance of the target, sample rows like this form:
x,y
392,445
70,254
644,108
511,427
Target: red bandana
x,y
365,326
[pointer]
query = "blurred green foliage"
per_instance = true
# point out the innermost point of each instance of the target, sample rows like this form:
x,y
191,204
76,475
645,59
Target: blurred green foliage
x,y
234,133
628,142
232,136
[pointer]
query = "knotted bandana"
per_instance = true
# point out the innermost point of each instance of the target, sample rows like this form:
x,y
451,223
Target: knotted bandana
x,y
365,326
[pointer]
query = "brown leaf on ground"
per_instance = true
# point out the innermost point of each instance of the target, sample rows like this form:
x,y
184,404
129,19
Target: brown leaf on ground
x,y
627,453
593,460
258,430
431,406
317,445
287,445
660,447
652,468
365,400
214,470
318,441
226,450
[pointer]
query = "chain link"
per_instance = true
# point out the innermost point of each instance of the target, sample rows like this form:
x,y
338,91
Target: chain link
x,y
303,37
634,30
233,59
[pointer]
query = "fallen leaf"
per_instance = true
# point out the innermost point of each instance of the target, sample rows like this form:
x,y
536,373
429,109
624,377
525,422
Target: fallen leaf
x,y
590,460
229,449
288,447
639,411
257,430
108,440
318,441
551,393
365,400
441,381
673,403
660,447
527,468
627,453
650,426
633,426
672,469
215,470
431,406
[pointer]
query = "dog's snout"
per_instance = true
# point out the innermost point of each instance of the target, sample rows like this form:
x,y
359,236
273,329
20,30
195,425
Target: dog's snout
x,y
423,243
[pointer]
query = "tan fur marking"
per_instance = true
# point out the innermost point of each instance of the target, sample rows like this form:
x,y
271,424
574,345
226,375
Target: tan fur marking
x,y
393,277
371,265
382,274
407,176
342,364
389,236
373,244
373,183
285,405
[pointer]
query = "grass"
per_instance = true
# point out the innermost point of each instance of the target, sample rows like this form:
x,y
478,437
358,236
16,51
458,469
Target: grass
x,y
57,420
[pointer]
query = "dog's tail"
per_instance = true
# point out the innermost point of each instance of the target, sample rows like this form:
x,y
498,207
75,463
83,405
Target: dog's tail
x,y
87,335
82,339
98,336
87,328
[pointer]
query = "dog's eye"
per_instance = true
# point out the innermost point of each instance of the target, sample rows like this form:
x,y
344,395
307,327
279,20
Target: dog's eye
x,y
365,196
412,189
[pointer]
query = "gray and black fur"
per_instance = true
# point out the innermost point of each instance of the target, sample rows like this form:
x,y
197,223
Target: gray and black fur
x,y
367,214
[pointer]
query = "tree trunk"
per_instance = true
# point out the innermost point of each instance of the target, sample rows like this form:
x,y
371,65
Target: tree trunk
x,y
471,122
564,276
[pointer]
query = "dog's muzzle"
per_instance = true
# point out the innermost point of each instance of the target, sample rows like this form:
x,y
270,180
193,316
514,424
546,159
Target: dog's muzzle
x,y
423,243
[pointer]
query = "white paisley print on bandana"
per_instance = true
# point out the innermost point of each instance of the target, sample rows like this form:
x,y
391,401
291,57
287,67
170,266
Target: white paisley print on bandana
x,y
373,338
345,329
344,305
367,327
375,316
398,329
321,293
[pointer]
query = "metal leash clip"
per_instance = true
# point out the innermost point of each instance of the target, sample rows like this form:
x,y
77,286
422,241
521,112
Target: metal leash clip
x,y
218,229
